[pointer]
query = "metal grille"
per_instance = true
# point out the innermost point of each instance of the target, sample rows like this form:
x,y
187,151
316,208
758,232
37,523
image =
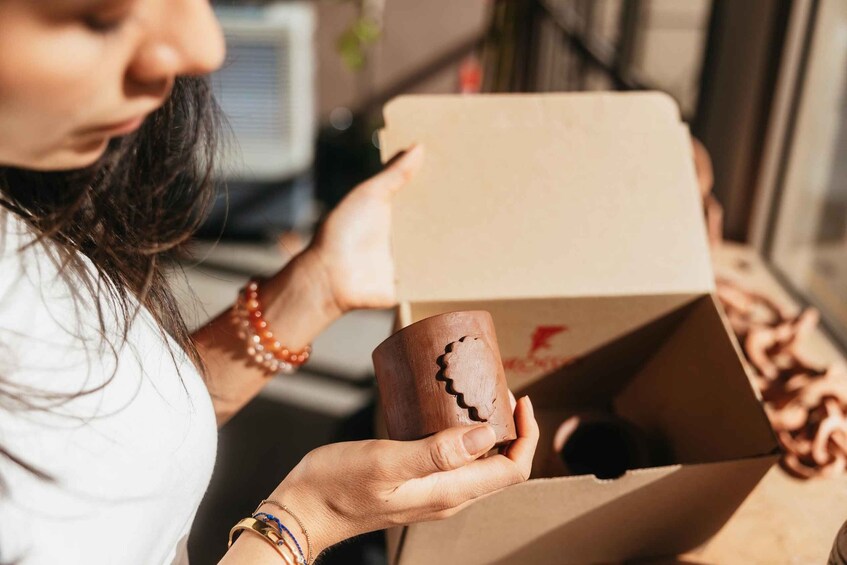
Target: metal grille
x,y
251,89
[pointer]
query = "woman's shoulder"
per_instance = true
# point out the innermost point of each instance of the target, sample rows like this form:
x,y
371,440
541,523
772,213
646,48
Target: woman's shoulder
x,y
58,334
15,235
26,262
39,272
41,317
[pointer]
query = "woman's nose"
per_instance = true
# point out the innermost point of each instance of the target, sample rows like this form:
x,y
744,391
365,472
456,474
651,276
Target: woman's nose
x,y
186,40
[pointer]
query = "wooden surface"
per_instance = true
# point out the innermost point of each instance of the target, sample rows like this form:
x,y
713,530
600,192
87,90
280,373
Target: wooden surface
x,y
784,520
441,372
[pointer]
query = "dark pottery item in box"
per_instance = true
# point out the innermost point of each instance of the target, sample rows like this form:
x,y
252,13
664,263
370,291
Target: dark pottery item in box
x,y
441,372
838,556
599,444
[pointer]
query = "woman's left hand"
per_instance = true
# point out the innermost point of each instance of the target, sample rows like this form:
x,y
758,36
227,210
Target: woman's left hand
x,y
353,248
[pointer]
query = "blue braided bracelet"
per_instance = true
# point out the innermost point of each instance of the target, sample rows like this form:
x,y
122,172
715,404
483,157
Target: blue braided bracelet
x,y
265,517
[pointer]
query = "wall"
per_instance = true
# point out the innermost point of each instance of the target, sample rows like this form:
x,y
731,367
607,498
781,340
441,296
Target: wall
x,y
415,34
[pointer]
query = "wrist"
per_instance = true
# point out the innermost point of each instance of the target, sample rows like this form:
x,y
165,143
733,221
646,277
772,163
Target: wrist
x,y
297,302
308,519
314,268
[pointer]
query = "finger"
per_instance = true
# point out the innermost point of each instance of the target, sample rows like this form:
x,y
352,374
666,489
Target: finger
x,y
522,450
398,171
459,487
455,488
512,401
448,490
445,451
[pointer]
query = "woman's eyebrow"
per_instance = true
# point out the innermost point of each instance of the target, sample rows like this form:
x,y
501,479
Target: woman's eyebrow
x,y
65,7
79,4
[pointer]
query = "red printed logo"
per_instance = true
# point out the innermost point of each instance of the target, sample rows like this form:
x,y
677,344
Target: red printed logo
x,y
542,336
536,362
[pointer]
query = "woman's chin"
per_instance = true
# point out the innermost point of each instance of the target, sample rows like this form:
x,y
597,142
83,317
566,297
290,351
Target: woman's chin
x,y
77,156
88,154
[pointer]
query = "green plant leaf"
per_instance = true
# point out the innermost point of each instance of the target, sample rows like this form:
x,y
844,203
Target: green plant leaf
x,y
352,45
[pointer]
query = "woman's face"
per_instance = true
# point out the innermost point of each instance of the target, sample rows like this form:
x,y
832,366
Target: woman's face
x,y
76,73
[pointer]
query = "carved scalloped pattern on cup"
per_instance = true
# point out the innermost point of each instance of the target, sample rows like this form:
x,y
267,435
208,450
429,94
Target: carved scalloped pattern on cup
x,y
468,371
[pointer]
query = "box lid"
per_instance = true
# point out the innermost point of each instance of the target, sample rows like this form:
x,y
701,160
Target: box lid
x,y
546,195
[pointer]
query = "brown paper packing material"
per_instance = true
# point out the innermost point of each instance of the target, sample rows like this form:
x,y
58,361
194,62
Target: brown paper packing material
x,y
575,220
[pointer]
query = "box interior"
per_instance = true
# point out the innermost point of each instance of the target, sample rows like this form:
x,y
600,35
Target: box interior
x,y
664,363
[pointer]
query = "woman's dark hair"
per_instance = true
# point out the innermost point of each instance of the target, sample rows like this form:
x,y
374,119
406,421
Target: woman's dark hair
x,y
130,213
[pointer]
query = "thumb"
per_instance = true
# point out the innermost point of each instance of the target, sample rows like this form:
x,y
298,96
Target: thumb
x,y
447,450
398,170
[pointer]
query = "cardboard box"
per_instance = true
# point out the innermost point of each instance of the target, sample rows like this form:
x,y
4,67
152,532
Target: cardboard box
x,y
575,220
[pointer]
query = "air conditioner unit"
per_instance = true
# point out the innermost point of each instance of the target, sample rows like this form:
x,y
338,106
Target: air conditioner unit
x,y
266,89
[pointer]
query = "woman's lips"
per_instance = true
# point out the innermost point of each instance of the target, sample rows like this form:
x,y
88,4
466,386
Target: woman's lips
x,y
119,128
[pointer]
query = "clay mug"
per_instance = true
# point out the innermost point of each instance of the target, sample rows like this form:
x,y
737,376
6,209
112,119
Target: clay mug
x,y
838,555
441,372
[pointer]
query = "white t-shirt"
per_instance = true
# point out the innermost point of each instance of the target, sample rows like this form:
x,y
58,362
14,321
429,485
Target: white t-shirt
x,y
130,461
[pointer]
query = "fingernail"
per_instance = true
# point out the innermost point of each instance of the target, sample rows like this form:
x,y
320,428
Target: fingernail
x,y
529,401
479,440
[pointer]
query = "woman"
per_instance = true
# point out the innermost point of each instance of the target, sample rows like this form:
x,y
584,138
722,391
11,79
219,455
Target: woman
x,y
107,436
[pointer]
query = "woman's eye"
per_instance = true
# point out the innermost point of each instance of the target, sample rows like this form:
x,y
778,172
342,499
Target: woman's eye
x,y
103,25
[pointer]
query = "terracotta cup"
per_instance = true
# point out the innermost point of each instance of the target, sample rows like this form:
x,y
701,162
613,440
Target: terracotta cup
x,y
441,372
838,555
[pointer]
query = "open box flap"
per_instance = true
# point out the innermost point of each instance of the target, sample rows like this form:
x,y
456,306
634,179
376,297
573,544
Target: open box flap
x,y
546,195
645,513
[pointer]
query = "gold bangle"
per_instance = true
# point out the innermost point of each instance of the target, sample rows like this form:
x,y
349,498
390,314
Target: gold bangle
x,y
288,511
264,531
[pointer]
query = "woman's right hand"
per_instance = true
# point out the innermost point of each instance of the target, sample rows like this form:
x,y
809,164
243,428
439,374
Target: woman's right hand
x,y
346,489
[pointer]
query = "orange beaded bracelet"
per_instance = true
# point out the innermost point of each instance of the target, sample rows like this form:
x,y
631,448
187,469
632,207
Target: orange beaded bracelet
x,y
262,345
